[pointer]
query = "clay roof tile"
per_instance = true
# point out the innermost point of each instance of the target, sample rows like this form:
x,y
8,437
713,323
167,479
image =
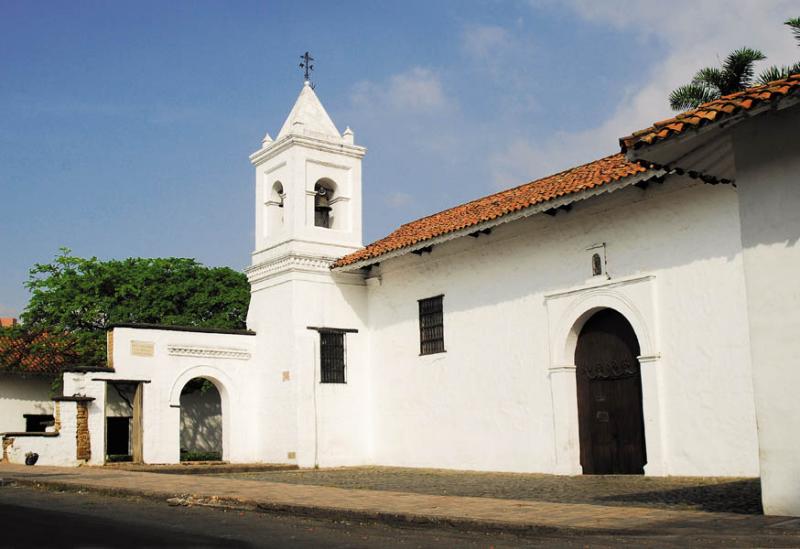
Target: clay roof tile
x,y
714,110
588,176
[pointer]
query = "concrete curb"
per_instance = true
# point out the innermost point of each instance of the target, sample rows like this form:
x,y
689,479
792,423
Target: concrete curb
x,y
211,469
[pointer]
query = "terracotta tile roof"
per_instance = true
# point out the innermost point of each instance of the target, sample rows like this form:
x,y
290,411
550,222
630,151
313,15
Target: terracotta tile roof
x,y
41,354
713,111
581,178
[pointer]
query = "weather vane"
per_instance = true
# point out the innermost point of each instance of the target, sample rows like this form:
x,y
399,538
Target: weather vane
x,y
306,65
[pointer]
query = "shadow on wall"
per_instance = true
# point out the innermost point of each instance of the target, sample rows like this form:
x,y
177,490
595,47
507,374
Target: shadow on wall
x,y
201,418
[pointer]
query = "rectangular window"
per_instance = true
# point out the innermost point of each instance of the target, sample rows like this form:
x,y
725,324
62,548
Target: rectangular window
x,y
38,423
331,350
431,325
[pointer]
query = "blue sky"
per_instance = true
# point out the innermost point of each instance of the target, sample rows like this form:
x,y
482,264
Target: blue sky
x,y
125,127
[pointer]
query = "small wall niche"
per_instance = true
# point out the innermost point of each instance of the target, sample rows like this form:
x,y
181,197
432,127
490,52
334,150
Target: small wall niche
x,y
597,261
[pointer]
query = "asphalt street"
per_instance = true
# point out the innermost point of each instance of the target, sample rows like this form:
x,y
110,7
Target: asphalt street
x,y
34,518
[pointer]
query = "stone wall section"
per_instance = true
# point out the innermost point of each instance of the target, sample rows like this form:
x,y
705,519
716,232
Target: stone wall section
x,y
82,439
57,416
6,443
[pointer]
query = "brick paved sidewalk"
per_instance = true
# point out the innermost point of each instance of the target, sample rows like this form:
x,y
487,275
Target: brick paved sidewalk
x,y
472,512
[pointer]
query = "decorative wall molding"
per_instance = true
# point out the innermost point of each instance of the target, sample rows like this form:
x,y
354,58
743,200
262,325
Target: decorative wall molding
x,y
209,352
311,142
604,283
289,262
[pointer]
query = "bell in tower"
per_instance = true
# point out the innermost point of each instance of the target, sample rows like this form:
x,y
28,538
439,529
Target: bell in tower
x,y
322,207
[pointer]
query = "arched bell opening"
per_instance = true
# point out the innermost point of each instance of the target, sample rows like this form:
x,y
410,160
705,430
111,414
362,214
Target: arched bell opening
x,y
275,208
324,191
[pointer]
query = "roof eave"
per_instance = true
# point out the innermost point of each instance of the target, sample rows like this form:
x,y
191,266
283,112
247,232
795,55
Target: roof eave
x,y
641,150
513,216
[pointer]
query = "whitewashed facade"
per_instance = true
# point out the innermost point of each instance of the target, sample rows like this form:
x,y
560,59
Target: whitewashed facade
x,y
503,395
761,151
23,395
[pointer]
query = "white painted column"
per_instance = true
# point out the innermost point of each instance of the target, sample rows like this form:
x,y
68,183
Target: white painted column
x,y
654,427
564,394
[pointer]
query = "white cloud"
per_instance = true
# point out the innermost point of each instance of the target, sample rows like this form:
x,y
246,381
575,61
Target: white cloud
x,y
695,34
453,150
485,41
416,91
398,199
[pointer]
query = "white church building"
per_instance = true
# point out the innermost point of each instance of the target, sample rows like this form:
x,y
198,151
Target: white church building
x,y
634,315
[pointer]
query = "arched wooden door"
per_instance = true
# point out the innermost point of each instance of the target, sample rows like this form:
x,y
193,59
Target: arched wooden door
x,y
611,422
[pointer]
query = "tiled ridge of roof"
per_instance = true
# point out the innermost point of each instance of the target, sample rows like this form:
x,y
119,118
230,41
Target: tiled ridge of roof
x,y
713,111
587,176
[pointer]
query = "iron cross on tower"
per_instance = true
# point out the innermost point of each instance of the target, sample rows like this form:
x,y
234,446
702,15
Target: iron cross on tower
x,y
306,65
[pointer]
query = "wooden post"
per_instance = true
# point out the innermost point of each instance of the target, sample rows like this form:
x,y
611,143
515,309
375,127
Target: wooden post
x,y
137,450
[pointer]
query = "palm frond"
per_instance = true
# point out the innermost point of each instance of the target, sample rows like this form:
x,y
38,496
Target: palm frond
x,y
794,23
739,69
772,73
777,73
691,95
710,76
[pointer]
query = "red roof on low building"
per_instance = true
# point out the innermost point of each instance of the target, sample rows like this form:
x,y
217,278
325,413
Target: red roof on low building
x,y
40,354
713,111
581,178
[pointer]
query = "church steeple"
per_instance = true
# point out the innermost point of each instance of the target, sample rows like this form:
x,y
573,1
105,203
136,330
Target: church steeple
x,y
309,117
308,186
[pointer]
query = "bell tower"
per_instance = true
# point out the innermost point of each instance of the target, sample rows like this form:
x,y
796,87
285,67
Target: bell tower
x,y
308,214
308,187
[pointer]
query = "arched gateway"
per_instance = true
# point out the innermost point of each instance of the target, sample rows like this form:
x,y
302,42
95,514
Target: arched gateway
x,y
610,417
200,421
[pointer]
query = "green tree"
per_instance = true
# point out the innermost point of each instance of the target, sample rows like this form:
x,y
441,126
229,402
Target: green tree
x,y
709,83
79,299
735,74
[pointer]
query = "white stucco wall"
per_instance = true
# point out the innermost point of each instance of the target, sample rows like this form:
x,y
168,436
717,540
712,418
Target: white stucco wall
x,y
59,450
767,152
495,400
22,395
321,424
177,357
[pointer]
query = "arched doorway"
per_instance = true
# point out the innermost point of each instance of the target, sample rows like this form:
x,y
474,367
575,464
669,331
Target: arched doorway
x,y
200,421
610,418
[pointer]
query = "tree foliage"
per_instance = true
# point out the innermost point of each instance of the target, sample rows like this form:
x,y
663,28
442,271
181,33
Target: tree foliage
x,y
736,73
709,83
775,72
81,298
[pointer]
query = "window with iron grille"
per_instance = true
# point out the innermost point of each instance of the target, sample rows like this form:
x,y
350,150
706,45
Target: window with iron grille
x,y
331,350
431,326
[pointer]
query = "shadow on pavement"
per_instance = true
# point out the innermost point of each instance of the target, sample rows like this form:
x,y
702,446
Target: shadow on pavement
x,y
739,496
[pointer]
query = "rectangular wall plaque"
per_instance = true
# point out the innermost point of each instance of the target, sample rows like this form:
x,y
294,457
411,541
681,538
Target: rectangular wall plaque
x,y
142,348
